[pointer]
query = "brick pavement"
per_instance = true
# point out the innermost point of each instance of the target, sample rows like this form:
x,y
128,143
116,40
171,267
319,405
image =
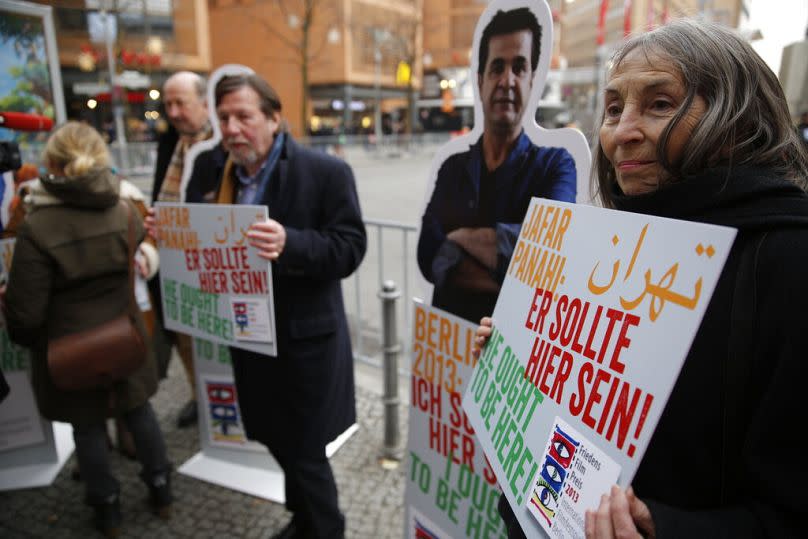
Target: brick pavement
x,y
372,498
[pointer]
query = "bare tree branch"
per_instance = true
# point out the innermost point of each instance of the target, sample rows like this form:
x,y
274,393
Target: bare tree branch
x,y
288,42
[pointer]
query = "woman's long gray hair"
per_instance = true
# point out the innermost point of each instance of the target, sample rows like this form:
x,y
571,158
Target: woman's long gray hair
x,y
747,121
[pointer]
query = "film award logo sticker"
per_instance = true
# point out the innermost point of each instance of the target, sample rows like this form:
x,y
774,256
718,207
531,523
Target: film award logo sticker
x,y
571,468
250,319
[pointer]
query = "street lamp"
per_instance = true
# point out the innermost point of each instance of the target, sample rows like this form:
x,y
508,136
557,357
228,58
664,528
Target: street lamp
x,y
115,91
102,27
154,46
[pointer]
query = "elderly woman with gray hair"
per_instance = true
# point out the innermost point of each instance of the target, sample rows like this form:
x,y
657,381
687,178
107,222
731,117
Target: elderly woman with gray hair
x,y
696,127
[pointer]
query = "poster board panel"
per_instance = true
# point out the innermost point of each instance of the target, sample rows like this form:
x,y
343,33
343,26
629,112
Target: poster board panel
x,y
227,458
32,449
30,77
451,490
220,426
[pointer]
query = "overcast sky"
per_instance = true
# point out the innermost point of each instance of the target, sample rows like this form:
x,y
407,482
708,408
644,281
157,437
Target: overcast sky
x,y
781,22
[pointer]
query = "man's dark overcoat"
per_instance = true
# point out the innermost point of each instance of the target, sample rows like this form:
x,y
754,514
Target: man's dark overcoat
x,y
299,401
166,143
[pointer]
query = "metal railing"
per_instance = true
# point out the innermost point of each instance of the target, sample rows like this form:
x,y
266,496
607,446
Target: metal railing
x,y
369,145
383,261
138,158
391,334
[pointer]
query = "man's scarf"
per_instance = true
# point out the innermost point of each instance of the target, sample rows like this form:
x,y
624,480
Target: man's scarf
x,y
170,189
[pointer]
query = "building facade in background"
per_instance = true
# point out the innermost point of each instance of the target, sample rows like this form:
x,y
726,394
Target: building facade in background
x,y
150,39
340,66
794,78
590,31
345,54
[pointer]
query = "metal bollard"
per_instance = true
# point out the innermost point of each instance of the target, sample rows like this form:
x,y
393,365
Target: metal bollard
x,y
391,349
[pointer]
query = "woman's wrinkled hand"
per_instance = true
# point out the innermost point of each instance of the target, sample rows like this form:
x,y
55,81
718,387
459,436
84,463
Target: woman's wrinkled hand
x,y
620,515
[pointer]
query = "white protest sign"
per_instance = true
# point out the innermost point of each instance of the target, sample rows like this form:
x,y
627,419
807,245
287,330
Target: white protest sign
x,y
222,412
594,320
214,285
451,490
20,424
32,449
227,457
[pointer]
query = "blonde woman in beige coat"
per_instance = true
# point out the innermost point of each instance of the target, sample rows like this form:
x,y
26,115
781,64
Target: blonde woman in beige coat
x,y
70,273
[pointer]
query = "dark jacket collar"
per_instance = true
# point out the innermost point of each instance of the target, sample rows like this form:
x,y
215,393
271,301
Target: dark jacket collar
x,y
273,197
746,198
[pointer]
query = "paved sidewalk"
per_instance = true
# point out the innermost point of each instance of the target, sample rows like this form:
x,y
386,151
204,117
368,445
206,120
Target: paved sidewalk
x,y
372,498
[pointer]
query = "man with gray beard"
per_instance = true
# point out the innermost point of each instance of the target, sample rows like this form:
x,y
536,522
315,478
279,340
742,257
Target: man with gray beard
x,y
301,400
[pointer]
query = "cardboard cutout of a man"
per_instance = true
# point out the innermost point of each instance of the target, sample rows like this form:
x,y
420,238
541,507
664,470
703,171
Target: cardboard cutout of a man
x,y
470,225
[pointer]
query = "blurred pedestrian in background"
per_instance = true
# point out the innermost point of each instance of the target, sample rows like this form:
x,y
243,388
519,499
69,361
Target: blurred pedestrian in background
x,y
70,273
186,108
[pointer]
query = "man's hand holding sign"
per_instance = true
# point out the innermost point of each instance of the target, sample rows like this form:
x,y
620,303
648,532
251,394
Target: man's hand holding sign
x,y
216,279
268,237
